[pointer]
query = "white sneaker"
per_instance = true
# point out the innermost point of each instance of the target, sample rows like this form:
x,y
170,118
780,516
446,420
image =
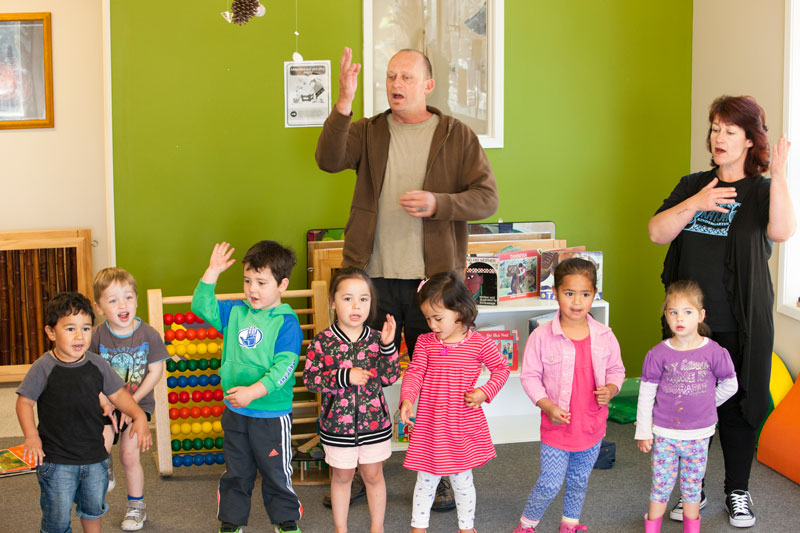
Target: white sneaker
x,y
677,512
134,516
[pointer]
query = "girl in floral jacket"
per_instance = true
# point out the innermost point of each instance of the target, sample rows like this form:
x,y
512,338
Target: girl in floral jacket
x,y
348,364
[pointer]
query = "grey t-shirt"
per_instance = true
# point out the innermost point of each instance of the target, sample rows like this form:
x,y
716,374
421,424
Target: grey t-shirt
x,y
67,397
129,355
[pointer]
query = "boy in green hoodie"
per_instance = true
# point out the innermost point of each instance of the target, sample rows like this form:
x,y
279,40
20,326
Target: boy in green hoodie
x,y
259,358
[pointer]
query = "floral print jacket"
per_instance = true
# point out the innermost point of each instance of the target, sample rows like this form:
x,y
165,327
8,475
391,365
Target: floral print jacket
x,y
351,415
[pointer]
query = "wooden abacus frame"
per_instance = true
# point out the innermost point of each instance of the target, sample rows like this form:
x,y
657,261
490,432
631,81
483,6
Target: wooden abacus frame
x,y
319,316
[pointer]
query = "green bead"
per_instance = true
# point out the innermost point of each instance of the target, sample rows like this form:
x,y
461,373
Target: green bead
x,y
187,444
176,445
208,443
213,364
183,365
218,442
202,364
192,365
197,443
170,365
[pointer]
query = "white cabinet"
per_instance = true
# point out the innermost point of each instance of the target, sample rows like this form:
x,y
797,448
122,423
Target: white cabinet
x,y
512,416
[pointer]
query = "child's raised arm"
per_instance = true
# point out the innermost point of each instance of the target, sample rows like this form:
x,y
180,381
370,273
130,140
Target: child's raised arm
x,y
389,363
219,262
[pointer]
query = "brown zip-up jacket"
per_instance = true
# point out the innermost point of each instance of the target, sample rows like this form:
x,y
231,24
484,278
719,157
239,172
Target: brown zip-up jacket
x,y
458,174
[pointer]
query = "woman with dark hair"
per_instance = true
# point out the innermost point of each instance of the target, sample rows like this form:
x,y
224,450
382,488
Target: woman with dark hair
x,y
720,225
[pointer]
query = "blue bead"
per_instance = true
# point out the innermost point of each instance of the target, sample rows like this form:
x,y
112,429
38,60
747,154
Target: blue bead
x,y
202,380
192,381
182,381
187,460
213,380
172,382
198,459
220,458
210,458
177,461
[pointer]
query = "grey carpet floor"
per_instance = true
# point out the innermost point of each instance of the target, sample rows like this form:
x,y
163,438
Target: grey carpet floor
x,y
615,502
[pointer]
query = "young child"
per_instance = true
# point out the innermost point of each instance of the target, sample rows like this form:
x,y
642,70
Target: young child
x,y
259,358
450,436
571,370
65,383
683,379
135,351
349,364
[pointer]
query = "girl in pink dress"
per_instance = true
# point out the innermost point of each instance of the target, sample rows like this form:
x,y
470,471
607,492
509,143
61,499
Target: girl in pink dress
x,y
571,370
450,436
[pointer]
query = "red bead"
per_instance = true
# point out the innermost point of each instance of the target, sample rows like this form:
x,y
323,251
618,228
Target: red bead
x,y
172,397
205,411
168,318
208,395
184,397
174,413
184,412
213,333
180,334
190,317
191,334
219,395
216,410
195,412
179,318
201,334
169,335
197,396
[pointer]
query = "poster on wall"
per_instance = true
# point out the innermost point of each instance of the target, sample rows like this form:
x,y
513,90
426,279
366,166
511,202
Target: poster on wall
x,y
307,92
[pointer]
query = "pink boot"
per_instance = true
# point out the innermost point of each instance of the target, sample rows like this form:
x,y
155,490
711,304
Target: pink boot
x,y
652,526
691,526
570,528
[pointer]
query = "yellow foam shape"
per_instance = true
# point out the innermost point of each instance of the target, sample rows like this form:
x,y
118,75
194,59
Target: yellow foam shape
x,y
780,381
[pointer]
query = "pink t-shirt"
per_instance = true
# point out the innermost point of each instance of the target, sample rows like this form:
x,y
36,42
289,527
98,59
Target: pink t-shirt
x,y
587,418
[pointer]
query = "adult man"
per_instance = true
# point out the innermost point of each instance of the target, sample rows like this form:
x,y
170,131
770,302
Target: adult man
x,y
420,176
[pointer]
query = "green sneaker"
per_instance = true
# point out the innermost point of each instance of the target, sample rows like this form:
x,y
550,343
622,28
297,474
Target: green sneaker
x,y
225,527
287,527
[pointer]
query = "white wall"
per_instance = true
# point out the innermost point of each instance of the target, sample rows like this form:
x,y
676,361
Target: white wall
x,y
55,178
738,48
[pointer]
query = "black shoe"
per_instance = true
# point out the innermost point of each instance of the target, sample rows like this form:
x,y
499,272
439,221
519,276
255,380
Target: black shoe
x,y
357,490
444,499
677,512
225,527
739,505
288,526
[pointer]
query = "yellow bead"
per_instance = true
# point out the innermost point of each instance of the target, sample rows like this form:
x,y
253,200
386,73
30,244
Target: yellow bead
x,y
175,429
213,347
202,348
181,350
197,427
217,425
186,428
191,349
207,427
170,350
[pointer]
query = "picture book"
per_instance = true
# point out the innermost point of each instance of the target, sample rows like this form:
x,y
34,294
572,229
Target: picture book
x,y
12,463
481,278
518,275
508,343
549,260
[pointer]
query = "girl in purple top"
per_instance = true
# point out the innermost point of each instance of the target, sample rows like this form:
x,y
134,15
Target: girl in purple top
x,y
683,379
571,369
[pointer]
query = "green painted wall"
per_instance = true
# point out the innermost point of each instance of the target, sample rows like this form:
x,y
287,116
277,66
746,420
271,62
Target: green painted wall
x,y
597,132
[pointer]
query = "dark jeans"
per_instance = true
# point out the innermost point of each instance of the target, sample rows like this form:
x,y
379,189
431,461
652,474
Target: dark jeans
x,y
398,297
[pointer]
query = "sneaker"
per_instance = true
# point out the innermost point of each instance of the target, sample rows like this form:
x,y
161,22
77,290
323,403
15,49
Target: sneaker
x,y
570,528
286,527
357,490
677,512
112,481
134,516
225,527
444,500
524,529
739,505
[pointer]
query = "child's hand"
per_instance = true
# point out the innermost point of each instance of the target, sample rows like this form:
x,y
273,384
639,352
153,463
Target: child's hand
x,y
605,393
108,411
124,419
475,398
645,445
33,449
388,331
240,397
359,376
557,415
219,262
140,429
406,411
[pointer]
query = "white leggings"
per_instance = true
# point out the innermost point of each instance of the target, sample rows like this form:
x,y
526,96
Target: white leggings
x,y
425,491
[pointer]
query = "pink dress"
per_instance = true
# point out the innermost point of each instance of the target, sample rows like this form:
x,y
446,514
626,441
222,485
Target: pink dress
x,y
448,436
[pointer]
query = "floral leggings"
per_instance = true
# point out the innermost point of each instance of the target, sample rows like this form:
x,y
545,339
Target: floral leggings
x,y
425,492
667,454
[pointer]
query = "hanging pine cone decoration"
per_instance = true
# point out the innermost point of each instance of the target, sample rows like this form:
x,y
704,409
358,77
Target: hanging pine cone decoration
x,y
243,10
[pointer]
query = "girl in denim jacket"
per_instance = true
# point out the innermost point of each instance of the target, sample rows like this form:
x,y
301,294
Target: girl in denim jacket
x,y
571,370
348,364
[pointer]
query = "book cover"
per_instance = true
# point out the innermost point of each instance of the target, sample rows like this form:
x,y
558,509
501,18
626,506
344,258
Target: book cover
x,y
507,343
481,278
548,261
518,275
12,463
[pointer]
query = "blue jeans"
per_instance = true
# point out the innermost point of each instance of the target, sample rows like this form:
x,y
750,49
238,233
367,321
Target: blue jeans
x,y
63,485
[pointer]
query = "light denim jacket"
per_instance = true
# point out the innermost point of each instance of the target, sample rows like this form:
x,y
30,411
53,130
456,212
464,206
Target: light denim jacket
x,y
549,361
